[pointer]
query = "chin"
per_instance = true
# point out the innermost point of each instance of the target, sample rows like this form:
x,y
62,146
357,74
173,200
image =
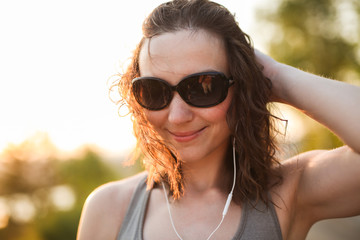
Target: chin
x,y
193,156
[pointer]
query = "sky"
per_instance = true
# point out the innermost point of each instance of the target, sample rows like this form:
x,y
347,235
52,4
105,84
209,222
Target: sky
x,y
56,58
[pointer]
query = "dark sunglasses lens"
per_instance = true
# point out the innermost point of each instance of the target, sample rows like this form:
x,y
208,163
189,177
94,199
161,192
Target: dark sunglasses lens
x,y
204,90
151,93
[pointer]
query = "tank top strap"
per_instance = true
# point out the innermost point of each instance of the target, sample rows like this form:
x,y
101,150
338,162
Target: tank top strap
x,y
258,222
134,219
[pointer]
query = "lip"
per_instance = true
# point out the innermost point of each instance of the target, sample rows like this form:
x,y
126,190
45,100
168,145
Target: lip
x,y
186,136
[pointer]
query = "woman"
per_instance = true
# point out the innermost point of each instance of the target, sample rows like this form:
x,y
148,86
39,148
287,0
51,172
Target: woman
x,y
198,94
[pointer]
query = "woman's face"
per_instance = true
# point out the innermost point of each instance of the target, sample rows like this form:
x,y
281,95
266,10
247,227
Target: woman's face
x,y
196,133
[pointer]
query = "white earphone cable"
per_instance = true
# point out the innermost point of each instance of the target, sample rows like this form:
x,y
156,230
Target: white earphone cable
x,y
226,207
168,207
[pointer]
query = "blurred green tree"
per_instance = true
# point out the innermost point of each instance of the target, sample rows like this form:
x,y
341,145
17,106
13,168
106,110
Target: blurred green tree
x,y
83,175
42,195
322,37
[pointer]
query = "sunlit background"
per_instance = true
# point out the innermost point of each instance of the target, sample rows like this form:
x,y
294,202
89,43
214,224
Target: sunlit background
x,y
56,57
61,136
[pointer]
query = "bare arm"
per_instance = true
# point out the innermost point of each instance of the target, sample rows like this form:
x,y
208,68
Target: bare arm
x,y
332,103
329,185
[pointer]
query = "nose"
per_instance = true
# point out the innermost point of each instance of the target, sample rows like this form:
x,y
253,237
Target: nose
x,y
179,111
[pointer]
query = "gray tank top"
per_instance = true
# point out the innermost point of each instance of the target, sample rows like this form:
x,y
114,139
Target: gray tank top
x,y
256,224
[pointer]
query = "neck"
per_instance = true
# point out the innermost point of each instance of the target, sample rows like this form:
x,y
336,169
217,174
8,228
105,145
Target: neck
x,y
208,174
228,200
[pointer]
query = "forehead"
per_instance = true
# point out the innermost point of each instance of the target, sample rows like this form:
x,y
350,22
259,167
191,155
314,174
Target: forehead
x,y
182,53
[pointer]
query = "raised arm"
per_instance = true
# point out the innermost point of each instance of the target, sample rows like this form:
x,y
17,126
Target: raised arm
x,y
333,103
329,181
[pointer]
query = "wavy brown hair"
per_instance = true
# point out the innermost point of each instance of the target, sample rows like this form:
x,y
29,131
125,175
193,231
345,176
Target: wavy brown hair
x,y
248,117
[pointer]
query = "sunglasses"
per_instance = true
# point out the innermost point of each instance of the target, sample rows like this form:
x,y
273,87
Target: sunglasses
x,y
201,90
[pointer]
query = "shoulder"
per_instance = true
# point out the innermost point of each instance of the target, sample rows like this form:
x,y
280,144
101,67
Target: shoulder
x,y
293,171
284,195
318,185
105,208
313,168
117,192
114,194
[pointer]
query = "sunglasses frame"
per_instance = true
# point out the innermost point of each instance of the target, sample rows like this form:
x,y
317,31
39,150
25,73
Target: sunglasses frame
x,y
228,82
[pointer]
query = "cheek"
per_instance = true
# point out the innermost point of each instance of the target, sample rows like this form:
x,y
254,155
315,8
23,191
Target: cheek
x,y
215,114
155,118
218,113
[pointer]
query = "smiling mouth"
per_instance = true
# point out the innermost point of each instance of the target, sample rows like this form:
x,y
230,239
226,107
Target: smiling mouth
x,y
186,136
